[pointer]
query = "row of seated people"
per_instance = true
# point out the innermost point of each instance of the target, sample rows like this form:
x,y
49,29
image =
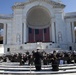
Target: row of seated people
x,y
65,57
55,58
35,58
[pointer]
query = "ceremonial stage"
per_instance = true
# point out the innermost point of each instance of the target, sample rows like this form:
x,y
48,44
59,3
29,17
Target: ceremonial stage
x,y
8,68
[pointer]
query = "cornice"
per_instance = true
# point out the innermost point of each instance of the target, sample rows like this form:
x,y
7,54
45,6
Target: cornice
x,y
6,16
18,5
55,4
70,15
22,4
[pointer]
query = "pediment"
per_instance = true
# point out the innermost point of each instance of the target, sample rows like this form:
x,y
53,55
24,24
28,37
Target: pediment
x,y
53,3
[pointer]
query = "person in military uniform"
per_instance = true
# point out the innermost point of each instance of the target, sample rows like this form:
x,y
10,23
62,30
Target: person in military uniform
x,y
37,60
55,64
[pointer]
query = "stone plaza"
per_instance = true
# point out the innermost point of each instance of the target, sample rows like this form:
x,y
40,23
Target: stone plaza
x,y
37,24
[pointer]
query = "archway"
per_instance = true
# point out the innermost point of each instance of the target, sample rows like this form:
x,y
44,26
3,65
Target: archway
x,y
38,22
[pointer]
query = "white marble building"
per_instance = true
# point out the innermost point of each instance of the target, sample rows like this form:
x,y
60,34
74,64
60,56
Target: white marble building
x,y
41,21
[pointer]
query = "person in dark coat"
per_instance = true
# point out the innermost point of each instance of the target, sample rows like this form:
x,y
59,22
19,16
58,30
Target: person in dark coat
x,y
69,58
55,64
37,60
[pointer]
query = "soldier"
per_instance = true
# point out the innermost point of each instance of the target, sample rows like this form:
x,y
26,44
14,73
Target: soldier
x,y
37,60
55,64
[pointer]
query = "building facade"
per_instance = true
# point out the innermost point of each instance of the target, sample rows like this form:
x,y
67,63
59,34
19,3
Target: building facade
x,y
38,24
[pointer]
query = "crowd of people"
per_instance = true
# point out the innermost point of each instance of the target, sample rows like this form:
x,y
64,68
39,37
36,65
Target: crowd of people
x,y
38,58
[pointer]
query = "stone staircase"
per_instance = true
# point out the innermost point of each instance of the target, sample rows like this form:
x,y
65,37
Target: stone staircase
x,y
47,47
14,68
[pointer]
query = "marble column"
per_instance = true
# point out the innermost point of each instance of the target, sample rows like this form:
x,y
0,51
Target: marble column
x,y
50,31
25,33
5,34
53,27
73,33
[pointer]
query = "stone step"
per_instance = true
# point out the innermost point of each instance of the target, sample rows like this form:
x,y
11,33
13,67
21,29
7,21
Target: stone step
x,y
16,66
38,72
32,69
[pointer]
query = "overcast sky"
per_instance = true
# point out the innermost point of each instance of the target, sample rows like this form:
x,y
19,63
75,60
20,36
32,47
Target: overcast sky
x,y
5,5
